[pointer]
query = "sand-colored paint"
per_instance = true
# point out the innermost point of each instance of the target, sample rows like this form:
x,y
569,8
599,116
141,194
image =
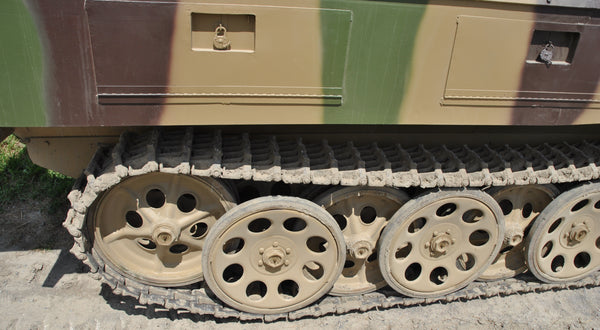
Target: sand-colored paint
x,y
433,62
279,82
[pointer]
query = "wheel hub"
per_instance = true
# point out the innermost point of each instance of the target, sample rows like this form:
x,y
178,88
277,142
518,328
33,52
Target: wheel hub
x,y
513,235
165,235
577,233
360,249
440,243
274,256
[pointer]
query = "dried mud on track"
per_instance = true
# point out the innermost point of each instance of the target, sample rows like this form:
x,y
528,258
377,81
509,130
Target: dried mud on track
x,y
43,286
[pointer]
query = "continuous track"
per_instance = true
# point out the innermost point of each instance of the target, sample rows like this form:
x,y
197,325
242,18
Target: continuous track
x,y
266,158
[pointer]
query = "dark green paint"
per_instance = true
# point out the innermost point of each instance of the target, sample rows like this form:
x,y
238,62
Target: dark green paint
x,y
21,68
379,59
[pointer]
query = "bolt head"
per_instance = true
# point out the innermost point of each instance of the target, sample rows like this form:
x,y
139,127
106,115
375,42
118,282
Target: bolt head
x,y
286,262
260,263
288,250
275,244
261,250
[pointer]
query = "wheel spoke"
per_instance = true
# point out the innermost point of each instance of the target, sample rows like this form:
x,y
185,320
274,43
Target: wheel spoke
x,y
192,243
149,215
190,219
126,233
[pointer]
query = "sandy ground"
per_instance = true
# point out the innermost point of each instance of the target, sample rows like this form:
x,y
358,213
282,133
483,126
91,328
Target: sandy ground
x,y
43,286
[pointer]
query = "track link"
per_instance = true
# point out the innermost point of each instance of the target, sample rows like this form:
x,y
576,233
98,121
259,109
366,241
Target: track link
x,y
199,152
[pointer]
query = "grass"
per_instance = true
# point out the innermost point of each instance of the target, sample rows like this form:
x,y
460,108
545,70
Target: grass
x,y
22,180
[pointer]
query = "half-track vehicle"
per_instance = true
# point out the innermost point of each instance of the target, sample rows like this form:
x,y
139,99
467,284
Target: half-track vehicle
x,y
269,159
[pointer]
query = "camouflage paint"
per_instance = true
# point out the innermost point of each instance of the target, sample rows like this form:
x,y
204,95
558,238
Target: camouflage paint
x,y
21,67
395,65
378,67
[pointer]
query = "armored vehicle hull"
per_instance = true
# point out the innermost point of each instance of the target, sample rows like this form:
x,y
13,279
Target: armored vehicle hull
x,y
263,155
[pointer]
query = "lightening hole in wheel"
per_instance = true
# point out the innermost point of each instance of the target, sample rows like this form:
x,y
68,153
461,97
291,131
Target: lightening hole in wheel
x,y
506,206
186,203
582,260
147,244
341,221
288,289
580,205
417,225
368,214
178,248
349,264
546,249
317,244
403,252
313,271
438,276
446,209
233,273
598,242
554,226
413,272
465,262
134,219
233,246
155,198
372,257
479,237
472,216
597,205
527,210
199,230
557,264
256,290
259,225
294,224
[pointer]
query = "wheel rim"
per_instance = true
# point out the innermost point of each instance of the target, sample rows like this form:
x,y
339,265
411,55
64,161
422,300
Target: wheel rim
x,y
152,227
520,205
361,213
440,242
273,255
565,240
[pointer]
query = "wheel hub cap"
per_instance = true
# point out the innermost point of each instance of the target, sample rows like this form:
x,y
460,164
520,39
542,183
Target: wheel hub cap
x,y
274,256
440,243
165,235
578,233
361,249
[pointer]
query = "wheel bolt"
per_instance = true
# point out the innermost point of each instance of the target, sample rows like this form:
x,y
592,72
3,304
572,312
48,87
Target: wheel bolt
x,y
286,262
288,250
261,250
260,263
275,244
